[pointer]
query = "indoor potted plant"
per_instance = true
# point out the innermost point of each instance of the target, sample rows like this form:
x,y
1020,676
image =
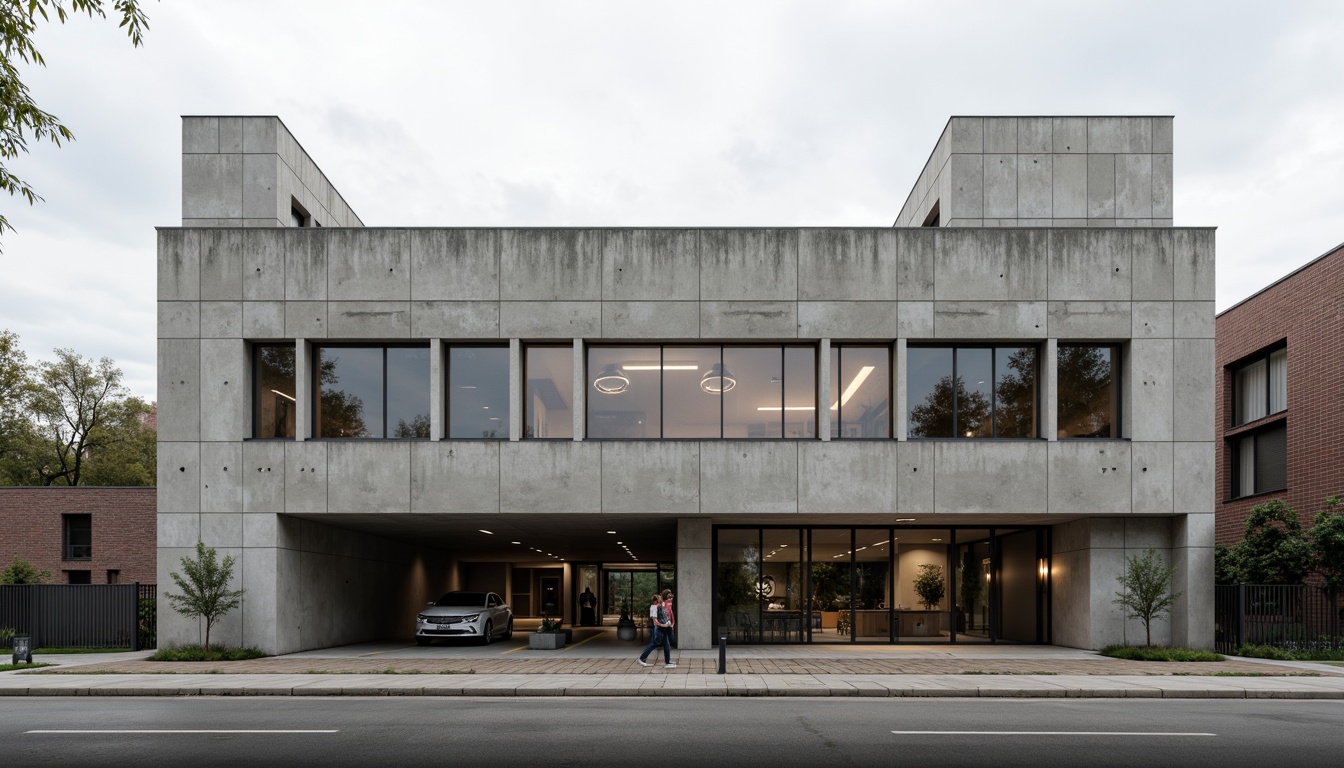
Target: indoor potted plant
x,y
929,585
548,637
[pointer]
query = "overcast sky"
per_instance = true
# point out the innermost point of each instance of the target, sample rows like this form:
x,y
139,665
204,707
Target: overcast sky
x,y
652,113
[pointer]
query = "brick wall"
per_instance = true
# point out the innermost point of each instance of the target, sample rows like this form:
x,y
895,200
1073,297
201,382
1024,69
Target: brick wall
x,y
124,530
1307,310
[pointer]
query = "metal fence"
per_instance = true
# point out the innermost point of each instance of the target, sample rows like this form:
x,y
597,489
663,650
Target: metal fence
x,y
80,615
1288,616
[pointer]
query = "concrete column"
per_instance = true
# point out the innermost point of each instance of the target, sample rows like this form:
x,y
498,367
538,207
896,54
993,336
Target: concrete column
x,y
437,386
516,390
824,391
580,394
1050,399
899,428
695,584
1192,555
303,352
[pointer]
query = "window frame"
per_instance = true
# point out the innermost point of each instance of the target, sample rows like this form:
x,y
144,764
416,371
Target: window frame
x,y
447,380
68,549
1117,388
257,347
838,422
524,393
1234,455
315,381
994,400
1261,355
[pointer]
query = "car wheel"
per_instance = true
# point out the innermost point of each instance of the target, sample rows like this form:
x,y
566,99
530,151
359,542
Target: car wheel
x,y
489,633
508,630
422,641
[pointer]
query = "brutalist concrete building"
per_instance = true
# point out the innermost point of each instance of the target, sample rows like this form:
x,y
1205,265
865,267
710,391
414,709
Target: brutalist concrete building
x,y
953,430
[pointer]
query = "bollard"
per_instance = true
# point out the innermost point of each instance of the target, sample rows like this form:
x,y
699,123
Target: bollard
x,y
723,654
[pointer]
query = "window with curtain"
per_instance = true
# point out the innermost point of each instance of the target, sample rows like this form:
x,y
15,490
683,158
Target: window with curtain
x,y
1260,386
1260,461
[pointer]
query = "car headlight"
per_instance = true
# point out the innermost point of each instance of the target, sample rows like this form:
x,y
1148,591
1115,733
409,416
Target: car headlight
x,y
421,617
472,617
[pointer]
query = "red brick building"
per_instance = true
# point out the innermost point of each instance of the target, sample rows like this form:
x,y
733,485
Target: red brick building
x,y
1280,396
83,535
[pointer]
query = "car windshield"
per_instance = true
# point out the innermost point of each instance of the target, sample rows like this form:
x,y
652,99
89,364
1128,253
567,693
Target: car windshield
x,y
462,600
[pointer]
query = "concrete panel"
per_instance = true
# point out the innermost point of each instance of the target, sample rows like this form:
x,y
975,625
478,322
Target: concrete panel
x,y
968,188
1070,136
552,476
748,320
1152,320
179,389
1035,186
982,477
1070,606
179,319
846,265
455,265
695,533
306,319
748,477
1070,186
454,319
1142,533
1152,258
369,476
260,135
179,473
306,477
1035,135
222,531
1134,186
258,611
1120,134
1001,134
1001,186
695,568
458,477
200,135
915,320
1090,264
550,265
224,390
915,253
1151,386
261,175
222,477
1194,402
550,319
849,319
1162,187
848,477
650,320
1089,319
305,264
1193,264
231,134
222,265
651,265
1162,134
651,478
263,264
1194,319
915,477
1108,620
748,264
369,319
1002,265
175,629
212,186
966,134
179,265
1101,186
1089,477
263,470
989,319
263,319
369,264
179,531
1192,624
221,319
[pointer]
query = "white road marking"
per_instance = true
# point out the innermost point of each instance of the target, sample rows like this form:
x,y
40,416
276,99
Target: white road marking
x,y
180,731
1047,733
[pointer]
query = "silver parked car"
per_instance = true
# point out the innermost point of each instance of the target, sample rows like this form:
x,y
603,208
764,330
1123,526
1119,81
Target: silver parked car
x,y
479,615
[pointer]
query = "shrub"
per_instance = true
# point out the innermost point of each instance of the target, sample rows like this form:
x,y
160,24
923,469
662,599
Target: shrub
x,y
203,653
1310,652
1158,653
22,572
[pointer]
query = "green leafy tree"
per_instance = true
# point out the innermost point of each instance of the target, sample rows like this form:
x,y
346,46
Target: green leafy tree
x,y
129,455
20,117
929,585
1327,547
15,387
1225,568
78,407
23,572
1274,549
934,416
205,588
1146,585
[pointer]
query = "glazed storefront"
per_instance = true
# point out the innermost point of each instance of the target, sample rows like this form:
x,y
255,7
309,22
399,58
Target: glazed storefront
x,y
882,584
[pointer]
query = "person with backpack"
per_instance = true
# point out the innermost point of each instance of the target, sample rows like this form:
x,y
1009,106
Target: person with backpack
x,y
659,633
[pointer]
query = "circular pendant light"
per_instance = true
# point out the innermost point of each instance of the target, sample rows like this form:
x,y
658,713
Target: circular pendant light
x,y
717,380
612,381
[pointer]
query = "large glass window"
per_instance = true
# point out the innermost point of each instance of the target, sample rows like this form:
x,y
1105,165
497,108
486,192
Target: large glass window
x,y
377,392
860,391
549,392
273,396
478,393
1260,461
78,534
1260,387
1088,390
971,391
705,392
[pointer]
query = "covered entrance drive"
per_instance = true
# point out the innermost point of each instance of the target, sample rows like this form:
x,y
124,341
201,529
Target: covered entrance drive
x,y
882,584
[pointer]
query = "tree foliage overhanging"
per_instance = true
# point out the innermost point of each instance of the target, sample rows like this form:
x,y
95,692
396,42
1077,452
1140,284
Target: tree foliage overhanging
x,y
1276,550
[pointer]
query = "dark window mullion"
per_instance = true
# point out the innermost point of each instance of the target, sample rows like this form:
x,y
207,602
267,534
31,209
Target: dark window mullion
x,y
993,392
662,399
956,430
384,393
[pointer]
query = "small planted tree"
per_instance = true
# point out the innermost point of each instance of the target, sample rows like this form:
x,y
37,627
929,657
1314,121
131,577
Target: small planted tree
x,y
929,585
205,589
1146,595
1274,551
1327,547
23,572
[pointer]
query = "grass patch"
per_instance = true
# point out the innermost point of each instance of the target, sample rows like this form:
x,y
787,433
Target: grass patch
x,y
201,653
1276,653
1157,653
12,667
81,650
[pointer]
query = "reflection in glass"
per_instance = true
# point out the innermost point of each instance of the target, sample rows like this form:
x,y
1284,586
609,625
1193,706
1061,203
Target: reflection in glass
x,y
929,393
688,409
1087,391
780,587
350,403
1015,392
872,583
635,412
408,392
273,397
739,582
975,392
752,408
549,392
860,392
478,393
829,573
973,575
800,392
972,391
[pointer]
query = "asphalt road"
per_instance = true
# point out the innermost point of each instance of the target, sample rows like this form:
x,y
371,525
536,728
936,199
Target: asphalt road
x,y
678,732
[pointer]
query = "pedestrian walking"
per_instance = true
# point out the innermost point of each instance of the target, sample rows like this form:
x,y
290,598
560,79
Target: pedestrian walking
x,y
671,617
659,634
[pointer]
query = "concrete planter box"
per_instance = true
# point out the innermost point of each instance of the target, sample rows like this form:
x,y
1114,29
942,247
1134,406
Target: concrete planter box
x,y
546,641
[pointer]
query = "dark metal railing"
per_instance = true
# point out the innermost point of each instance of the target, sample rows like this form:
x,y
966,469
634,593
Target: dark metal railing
x,y
80,615
1297,617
